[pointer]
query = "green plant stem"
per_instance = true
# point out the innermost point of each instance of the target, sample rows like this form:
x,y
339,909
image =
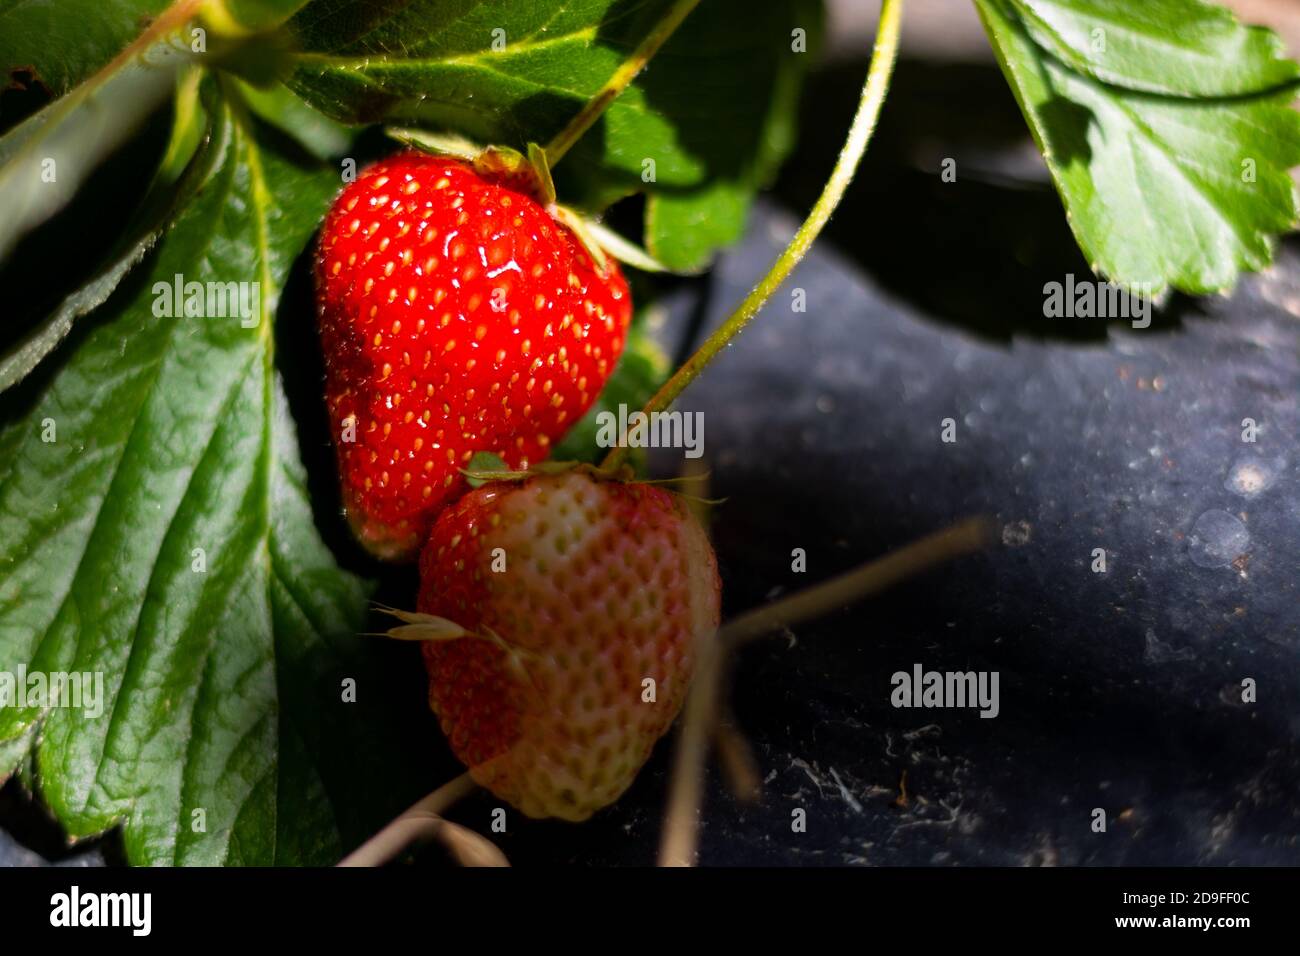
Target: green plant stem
x,y
864,124
617,83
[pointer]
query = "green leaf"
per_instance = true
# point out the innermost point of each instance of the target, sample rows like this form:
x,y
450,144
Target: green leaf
x,y
760,95
170,190
714,107
23,357
65,42
164,540
483,462
13,753
312,130
238,16
1161,190
684,229
1171,47
45,158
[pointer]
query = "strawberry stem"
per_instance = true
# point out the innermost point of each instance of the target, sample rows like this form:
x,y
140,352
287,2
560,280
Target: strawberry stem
x,y
966,537
617,83
422,820
864,124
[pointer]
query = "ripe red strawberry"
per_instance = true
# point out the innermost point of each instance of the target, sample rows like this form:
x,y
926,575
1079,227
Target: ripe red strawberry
x,y
605,584
456,316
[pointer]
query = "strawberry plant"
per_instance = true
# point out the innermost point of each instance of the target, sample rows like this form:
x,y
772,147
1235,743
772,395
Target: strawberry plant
x,y
455,182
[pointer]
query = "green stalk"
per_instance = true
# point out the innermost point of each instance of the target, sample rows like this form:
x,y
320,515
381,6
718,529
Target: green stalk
x,y
617,83
864,124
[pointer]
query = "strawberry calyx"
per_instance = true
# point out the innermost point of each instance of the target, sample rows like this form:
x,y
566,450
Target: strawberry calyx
x,y
486,467
530,173
418,626
525,173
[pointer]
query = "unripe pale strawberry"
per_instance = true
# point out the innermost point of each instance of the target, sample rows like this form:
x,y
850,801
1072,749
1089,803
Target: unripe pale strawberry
x,y
600,586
